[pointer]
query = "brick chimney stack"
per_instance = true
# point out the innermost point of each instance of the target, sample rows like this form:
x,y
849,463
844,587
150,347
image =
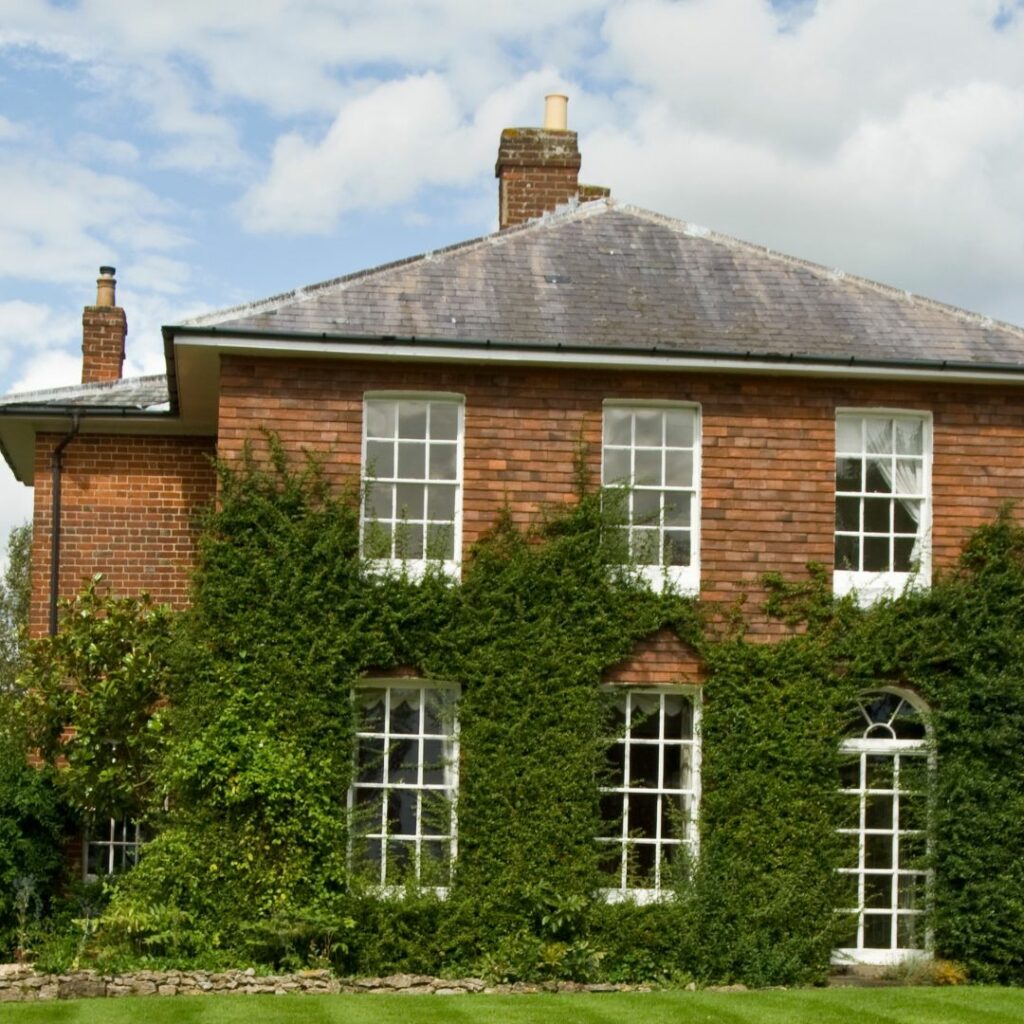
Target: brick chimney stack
x,y
538,168
104,328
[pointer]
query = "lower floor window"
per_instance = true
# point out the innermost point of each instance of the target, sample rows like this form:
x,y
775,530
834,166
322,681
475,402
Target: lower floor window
x,y
112,846
403,796
650,792
885,791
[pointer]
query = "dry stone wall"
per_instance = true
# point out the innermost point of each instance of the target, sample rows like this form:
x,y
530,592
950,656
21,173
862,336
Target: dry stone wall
x,y
22,983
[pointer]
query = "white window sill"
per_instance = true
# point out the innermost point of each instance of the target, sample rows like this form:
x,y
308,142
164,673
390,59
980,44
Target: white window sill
x,y
869,587
682,579
414,569
876,957
641,897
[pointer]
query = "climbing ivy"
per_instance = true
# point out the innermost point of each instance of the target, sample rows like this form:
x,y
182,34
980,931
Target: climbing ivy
x,y
252,859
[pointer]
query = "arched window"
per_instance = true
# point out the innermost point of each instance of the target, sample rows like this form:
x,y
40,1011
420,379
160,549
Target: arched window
x,y
884,784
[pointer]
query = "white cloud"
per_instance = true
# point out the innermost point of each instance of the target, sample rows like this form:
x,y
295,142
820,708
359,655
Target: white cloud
x,y
8,129
28,326
90,148
15,508
52,368
383,148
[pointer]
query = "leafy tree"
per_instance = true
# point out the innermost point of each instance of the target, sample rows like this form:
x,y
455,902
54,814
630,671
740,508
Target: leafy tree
x,y
14,603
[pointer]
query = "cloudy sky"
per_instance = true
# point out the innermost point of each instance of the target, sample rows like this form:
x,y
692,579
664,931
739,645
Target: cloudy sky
x,y
216,152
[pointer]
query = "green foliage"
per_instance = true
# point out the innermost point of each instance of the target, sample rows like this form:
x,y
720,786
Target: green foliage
x,y
96,693
31,825
15,589
253,751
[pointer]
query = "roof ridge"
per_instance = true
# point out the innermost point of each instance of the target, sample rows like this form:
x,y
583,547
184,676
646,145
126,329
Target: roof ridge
x,y
572,210
831,273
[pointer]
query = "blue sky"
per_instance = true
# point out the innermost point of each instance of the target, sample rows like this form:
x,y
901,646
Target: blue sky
x,y
218,152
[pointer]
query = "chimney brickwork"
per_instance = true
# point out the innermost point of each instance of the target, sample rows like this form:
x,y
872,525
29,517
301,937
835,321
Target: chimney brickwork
x,y
104,329
537,170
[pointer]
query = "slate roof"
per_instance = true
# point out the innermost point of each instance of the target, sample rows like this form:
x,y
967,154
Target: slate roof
x,y
607,276
134,394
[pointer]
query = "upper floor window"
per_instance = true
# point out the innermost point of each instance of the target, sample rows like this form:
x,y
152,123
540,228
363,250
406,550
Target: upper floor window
x,y
885,792
412,480
403,796
650,791
882,501
654,452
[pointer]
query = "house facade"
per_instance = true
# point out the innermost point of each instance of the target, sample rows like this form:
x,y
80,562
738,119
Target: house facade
x,y
752,413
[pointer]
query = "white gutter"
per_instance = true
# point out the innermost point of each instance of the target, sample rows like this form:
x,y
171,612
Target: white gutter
x,y
476,353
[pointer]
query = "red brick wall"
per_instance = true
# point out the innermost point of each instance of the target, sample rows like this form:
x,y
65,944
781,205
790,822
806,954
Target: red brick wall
x,y
129,507
658,660
768,446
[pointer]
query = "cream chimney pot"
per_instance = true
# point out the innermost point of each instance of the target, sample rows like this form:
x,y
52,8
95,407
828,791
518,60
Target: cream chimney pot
x,y
105,285
555,112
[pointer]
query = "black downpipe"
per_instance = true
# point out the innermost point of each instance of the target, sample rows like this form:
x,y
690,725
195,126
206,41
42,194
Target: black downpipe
x,y
55,468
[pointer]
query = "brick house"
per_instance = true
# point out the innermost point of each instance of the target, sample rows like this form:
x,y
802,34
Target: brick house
x,y
765,412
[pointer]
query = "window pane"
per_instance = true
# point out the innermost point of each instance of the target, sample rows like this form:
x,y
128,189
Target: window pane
x,y
641,864
878,811
678,717
677,508
848,553
377,540
848,514
403,761
646,543
677,547
444,421
433,763
679,424
648,467
878,476
906,516
440,541
673,823
616,764
876,515
909,476
370,754
370,710
617,426
443,461
910,931
878,434
877,891
876,554
410,501
380,458
877,851
405,711
378,502
412,419
848,476
643,815
441,503
877,931
643,766
848,434
612,809
616,466
644,721
880,771
412,460
380,419
910,437
646,507
648,427
678,469
409,540
904,554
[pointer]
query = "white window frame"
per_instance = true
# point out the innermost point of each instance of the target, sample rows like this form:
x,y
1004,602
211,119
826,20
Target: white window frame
x,y
114,853
868,587
889,747
684,579
415,568
623,891
450,786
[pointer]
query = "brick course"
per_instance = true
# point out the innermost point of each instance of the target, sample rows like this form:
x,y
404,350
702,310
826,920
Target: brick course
x,y
129,507
104,329
768,446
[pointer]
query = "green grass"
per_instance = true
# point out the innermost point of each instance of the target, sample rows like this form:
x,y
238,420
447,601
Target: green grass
x,y
813,1006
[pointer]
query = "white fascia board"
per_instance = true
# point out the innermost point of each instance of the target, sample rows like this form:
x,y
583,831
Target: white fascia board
x,y
475,353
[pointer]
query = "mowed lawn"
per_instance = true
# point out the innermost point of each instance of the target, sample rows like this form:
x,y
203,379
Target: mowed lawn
x,y
799,1006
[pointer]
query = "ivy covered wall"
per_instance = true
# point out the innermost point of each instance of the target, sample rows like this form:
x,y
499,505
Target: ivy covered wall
x,y
251,752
